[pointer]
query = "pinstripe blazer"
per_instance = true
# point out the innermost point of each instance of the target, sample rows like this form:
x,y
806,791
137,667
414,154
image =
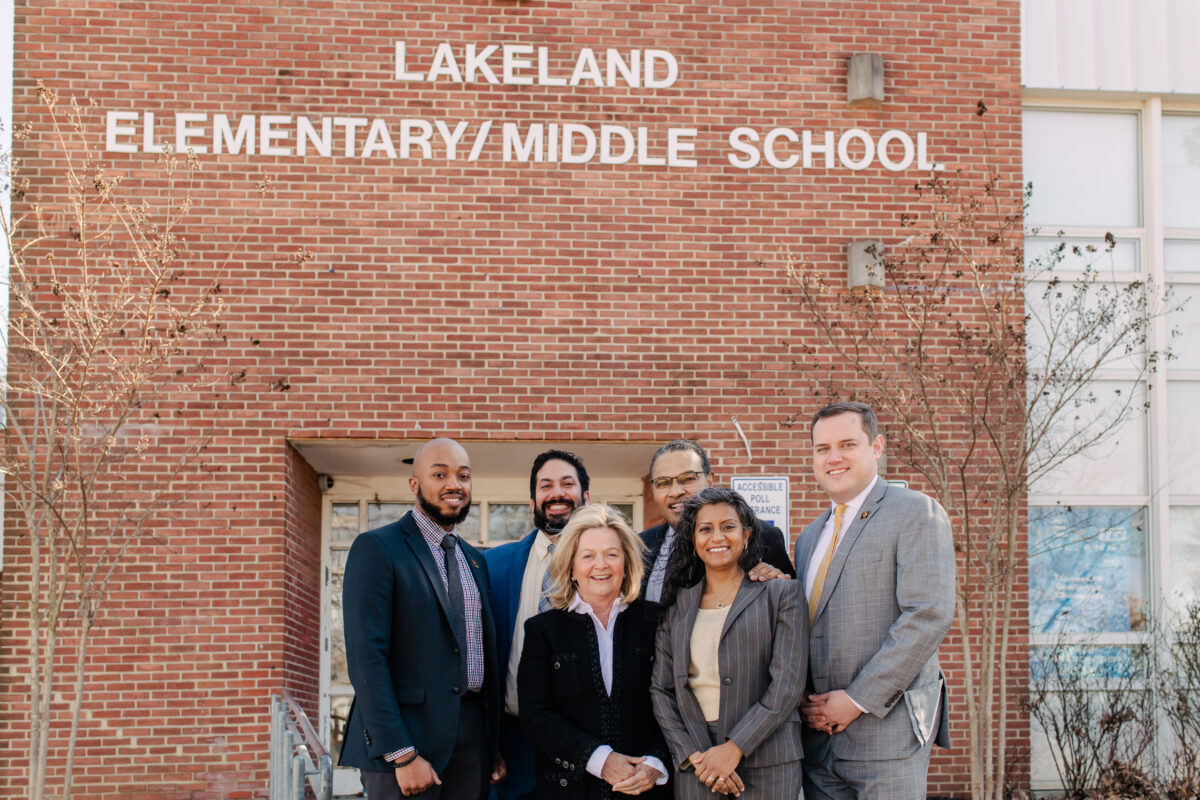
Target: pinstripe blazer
x,y
887,604
761,656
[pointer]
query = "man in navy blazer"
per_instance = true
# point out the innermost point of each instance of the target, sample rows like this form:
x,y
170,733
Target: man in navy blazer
x,y
421,645
678,470
558,484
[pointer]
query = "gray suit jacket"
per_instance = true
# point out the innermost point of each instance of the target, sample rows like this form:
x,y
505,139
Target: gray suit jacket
x,y
761,656
888,603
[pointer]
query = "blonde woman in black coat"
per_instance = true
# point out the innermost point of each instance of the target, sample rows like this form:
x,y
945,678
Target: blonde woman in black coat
x,y
584,678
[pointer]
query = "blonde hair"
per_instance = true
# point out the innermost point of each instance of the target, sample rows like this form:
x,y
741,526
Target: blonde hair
x,y
585,518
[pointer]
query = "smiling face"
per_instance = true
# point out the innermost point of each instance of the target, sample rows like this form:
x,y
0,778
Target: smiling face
x,y
598,568
689,478
720,537
845,461
441,480
556,494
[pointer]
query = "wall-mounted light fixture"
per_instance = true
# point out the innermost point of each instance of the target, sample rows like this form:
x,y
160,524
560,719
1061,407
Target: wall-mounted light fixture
x,y
864,80
864,269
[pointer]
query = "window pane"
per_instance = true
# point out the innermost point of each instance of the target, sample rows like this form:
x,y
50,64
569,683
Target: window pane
x,y
1183,567
1076,324
339,712
1087,569
338,676
1079,253
1087,663
380,514
1042,772
508,522
1185,347
1183,437
1116,465
468,529
344,522
627,510
1084,168
1078,690
1182,255
1181,171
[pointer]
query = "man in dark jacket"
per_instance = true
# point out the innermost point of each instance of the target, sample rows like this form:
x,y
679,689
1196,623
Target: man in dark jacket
x,y
421,645
678,470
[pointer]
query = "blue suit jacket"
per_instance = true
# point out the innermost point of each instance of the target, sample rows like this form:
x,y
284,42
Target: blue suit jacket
x,y
506,567
402,652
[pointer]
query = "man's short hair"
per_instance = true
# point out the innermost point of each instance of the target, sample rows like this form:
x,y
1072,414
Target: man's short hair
x,y
682,446
865,415
558,455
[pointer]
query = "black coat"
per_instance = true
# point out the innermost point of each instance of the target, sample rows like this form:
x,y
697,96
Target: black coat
x,y
565,710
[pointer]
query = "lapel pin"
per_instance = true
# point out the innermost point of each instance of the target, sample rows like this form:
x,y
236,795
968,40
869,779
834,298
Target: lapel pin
x,y
864,515
474,563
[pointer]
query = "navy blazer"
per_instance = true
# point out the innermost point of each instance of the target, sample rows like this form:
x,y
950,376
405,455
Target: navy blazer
x,y
401,650
565,709
775,551
506,567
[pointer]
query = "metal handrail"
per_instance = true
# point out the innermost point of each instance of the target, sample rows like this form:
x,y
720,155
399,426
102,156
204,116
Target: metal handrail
x,y
294,742
310,733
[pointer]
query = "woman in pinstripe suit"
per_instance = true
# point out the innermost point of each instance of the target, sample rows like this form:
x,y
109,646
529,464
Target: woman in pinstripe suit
x,y
731,656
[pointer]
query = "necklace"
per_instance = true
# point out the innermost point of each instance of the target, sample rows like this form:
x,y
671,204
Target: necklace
x,y
724,601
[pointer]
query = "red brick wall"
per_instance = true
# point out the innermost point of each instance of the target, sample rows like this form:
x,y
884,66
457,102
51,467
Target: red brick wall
x,y
484,299
301,631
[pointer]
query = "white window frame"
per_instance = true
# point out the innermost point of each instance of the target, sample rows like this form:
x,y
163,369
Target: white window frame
x,y
1151,237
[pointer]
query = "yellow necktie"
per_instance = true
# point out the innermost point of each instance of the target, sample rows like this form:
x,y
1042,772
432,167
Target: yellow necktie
x,y
814,598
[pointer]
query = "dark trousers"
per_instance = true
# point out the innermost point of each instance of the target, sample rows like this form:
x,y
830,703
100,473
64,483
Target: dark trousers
x,y
465,777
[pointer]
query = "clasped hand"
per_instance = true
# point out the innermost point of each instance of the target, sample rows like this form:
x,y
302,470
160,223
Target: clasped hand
x,y
716,766
830,712
628,774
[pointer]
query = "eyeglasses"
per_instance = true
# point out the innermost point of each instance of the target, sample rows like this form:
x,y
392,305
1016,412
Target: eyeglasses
x,y
686,480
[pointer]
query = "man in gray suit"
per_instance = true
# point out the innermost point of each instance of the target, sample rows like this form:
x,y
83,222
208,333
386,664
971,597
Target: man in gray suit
x,y
878,567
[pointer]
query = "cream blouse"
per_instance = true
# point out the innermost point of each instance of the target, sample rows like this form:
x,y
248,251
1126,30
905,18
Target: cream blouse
x,y
704,673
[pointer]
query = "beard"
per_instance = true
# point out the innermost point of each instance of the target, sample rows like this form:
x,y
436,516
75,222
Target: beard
x,y
552,525
440,517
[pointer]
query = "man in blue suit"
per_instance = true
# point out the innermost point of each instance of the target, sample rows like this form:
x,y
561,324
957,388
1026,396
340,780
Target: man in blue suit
x,y
558,484
421,645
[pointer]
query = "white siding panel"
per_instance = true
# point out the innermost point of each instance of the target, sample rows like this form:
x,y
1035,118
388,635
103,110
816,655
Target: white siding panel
x,y
1148,46
1077,51
1183,50
1039,44
1114,48
1150,26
